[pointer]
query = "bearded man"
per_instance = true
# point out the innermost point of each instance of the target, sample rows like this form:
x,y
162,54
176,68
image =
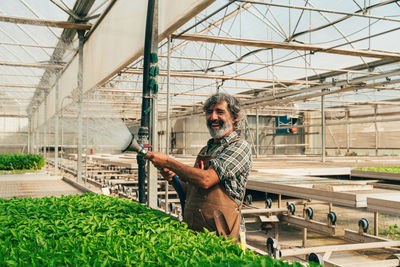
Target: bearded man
x,y
217,181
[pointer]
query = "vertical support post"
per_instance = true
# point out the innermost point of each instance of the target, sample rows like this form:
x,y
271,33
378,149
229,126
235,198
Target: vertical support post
x,y
376,132
166,196
273,137
257,135
80,100
376,223
305,228
168,138
322,129
56,128
150,45
276,230
348,130
37,132
33,134
45,128
29,134
279,201
153,127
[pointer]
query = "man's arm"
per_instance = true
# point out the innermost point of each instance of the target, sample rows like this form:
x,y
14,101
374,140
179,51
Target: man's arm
x,y
199,177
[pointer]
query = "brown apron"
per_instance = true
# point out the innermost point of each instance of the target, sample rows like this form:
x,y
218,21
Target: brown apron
x,y
201,204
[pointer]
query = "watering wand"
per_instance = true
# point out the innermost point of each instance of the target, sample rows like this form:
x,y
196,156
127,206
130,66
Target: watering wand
x,y
175,180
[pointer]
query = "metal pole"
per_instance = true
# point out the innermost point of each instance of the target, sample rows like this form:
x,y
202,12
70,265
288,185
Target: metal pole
x,y
45,128
146,102
168,138
37,132
62,130
152,178
56,129
376,132
322,129
29,134
257,135
80,100
33,135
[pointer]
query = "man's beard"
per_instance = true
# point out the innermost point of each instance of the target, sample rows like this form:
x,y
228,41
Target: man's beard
x,y
223,129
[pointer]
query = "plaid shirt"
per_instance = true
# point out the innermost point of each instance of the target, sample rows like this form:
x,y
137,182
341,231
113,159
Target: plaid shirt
x,y
232,164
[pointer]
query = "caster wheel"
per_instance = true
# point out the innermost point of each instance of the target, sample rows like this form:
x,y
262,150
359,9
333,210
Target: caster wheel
x,y
363,224
332,217
291,208
172,206
248,199
316,258
268,203
159,202
310,212
272,246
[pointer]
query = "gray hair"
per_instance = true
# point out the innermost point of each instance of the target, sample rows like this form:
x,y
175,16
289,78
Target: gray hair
x,y
234,107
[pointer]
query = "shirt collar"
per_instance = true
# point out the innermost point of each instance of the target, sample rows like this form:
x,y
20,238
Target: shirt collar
x,y
230,137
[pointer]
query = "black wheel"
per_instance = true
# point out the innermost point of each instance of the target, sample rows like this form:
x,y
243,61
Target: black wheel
x,y
332,217
268,203
291,208
310,212
272,245
364,224
172,206
316,258
159,202
248,199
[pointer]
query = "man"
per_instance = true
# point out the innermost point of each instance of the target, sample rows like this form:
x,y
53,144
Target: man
x,y
218,180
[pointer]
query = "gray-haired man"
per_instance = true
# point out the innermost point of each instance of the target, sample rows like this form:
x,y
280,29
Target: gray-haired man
x,y
218,180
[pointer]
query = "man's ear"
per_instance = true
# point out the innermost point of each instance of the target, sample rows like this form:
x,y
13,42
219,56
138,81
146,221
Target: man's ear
x,y
235,117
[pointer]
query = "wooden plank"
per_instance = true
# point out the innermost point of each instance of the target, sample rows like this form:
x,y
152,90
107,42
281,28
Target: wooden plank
x,y
309,224
261,219
346,247
344,187
384,210
376,175
364,238
45,22
340,198
386,186
376,263
285,45
263,211
309,171
389,200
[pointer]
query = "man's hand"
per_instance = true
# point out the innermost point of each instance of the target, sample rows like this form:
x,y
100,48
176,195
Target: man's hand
x,y
158,159
167,174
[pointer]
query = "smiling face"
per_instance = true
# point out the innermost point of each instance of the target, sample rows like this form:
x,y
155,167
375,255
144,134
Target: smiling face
x,y
219,120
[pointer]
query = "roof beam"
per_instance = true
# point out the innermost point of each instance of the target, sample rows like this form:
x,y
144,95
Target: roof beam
x,y
13,116
224,77
31,65
44,22
287,46
24,86
322,10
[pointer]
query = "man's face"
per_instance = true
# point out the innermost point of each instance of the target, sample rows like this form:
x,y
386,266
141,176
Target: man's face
x,y
219,120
